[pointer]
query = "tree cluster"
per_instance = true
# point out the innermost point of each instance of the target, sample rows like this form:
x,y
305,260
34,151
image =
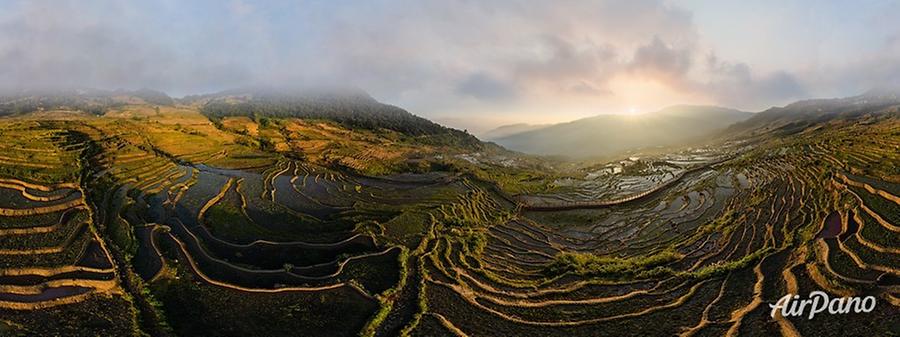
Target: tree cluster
x,y
352,111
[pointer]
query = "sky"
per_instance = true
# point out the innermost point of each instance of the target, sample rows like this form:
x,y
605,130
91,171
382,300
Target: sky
x,y
466,63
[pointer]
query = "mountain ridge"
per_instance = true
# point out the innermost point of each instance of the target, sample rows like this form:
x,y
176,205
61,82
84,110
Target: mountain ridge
x,y
806,112
511,129
672,125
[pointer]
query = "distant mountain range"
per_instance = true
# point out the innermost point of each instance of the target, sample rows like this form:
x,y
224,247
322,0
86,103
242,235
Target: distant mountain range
x,y
509,130
799,115
609,134
352,108
596,136
93,101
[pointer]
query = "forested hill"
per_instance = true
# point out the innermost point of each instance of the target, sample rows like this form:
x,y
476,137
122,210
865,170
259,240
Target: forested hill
x,y
797,116
352,108
93,101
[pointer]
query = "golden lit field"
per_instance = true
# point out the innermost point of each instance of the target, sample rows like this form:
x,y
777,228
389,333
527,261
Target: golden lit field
x,y
172,222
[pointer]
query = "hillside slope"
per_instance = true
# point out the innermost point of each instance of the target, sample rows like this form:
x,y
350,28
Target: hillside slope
x,y
153,220
352,108
608,134
799,115
511,129
92,101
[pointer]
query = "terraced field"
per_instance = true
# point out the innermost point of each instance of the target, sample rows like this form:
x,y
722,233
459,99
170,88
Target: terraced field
x,y
53,261
118,225
702,256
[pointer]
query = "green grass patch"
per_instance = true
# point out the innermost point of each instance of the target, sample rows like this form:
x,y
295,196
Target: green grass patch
x,y
587,264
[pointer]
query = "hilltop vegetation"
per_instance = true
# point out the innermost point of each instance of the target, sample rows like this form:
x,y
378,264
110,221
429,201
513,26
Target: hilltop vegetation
x,y
92,101
800,115
353,109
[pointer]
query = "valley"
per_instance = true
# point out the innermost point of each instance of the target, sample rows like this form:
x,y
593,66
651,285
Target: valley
x,y
239,214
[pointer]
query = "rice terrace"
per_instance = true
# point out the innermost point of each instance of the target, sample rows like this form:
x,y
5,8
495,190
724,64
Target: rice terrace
x,y
171,219
589,169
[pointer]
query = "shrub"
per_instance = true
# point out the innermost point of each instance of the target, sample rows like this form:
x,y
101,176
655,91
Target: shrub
x,y
615,267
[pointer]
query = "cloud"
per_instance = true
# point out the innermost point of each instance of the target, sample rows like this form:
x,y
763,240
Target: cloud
x,y
400,50
395,49
588,89
483,86
62,44
567,67
879,69
659,59
240,8
737,85
435,58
